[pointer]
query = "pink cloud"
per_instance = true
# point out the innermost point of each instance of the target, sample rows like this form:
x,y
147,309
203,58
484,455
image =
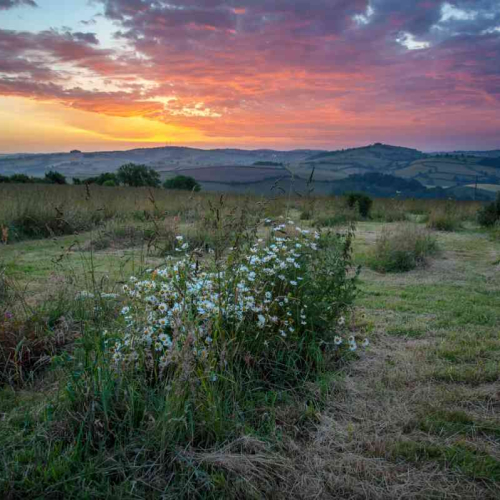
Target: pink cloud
x,y
291,69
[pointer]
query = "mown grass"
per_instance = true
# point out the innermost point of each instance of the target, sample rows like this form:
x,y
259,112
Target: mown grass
x,y
466,459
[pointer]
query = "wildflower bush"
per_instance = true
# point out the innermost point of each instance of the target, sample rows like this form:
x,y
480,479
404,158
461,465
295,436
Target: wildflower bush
x,y
201,340
269,308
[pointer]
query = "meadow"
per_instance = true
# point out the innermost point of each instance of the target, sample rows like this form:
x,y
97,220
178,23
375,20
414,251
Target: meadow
x,y
167,344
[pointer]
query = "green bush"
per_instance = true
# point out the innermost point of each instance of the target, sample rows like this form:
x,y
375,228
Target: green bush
x,y
53,177
489,215
135,175
182,182
402,249
360,200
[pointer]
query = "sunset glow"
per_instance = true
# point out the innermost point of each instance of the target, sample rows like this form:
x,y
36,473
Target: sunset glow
x,y
116,74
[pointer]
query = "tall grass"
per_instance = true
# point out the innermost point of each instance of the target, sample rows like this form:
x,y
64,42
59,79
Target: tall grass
x,y
40,211
402,248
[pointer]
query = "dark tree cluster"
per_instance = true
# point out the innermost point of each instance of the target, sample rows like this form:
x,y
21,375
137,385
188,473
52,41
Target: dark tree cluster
x,y
51,177
182,182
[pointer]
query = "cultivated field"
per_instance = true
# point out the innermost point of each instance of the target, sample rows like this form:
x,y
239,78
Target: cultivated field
x,y
281,369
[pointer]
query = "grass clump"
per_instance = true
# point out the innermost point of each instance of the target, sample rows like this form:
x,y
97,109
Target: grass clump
x,y
445,217
402,248
27,345
489,215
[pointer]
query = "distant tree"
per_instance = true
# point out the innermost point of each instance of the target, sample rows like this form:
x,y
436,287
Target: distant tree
x,y
4,179
182,182
21,179
75,151
109,183
76,181
102,179
135,175
53,177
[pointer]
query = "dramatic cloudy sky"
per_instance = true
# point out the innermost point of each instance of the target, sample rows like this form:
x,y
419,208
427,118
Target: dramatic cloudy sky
x,y
114,74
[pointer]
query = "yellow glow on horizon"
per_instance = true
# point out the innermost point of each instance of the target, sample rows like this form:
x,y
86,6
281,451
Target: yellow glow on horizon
x,y
34,126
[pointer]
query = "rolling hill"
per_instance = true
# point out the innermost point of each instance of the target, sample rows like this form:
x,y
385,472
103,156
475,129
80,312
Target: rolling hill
x,y
262,170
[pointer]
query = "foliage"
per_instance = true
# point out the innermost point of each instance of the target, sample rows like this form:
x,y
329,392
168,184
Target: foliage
x,y
402,248
20,179
445,218
489,215
360,200
387,186
103,179
53,177
207,337
134,175
182,182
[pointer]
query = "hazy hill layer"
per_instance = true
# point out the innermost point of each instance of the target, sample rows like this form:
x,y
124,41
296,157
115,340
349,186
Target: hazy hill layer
x,y
259,170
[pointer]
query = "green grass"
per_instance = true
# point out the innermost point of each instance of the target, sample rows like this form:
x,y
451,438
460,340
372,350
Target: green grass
x,y
453,422
464,458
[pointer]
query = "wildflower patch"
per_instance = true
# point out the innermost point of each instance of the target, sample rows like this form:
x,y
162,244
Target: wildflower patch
x,y
274,306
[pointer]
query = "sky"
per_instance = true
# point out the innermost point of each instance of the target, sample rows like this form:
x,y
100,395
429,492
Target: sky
x,y
282,74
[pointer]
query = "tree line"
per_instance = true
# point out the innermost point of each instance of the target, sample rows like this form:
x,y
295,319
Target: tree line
x,y
131,174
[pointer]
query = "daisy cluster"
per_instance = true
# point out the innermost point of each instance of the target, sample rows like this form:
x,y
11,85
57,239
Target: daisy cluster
x,y
255,301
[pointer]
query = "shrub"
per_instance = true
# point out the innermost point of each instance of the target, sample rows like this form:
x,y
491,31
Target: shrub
x,y
135,175
360,200
182,182
402,248
489,215
104,179
205,338
53,177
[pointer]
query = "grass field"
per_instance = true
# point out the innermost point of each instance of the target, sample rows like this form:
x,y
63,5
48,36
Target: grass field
x,y
415,415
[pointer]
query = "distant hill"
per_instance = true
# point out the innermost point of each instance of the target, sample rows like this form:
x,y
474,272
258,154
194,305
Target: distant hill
x,y
264,170
166,159
494,153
